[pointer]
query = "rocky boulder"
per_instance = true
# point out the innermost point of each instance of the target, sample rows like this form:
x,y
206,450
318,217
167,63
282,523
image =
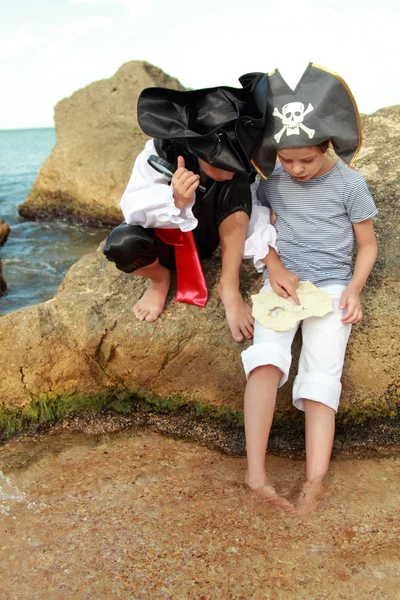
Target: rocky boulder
x,y
98,139
4,231
379,162
87,340
3,285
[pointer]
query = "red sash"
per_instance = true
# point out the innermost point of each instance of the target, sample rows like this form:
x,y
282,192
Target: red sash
x,y
191,285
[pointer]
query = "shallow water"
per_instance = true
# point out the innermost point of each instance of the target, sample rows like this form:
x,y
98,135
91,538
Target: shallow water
x,y
137,515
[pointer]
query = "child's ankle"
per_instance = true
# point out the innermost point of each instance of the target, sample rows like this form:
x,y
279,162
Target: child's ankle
x,y
256,479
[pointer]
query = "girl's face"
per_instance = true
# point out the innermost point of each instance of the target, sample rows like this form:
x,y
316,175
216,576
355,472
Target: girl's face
x,y
214,172
305,163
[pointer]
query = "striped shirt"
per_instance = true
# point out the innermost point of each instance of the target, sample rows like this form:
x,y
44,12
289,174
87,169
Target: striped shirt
x,y
314,220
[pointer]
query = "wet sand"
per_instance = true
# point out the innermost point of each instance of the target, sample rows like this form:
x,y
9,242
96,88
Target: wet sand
x,y
137,515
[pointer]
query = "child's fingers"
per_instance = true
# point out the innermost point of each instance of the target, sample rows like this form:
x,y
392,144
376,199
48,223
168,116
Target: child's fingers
x,y
185,187
291,290
181,162
279,290
353,313
191,190
353,316
182,175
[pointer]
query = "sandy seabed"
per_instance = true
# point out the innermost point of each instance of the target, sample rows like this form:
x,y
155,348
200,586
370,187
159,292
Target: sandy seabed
x,y
137,515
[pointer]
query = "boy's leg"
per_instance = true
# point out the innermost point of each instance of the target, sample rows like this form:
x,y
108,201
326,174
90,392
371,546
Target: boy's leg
x,y
151,304
232,233
136,250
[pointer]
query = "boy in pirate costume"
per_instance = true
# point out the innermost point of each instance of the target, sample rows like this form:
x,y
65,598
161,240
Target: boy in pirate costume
x,y
208,136
321,207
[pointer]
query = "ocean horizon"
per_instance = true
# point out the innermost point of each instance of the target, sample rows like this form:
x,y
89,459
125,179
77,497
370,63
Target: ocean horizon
x,y
25,128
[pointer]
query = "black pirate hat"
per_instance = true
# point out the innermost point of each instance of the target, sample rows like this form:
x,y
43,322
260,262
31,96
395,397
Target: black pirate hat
x,y
320,108
221,125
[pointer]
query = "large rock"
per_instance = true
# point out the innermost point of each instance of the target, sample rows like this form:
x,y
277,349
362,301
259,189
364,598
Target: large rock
x,y
379,161
86,339
98,139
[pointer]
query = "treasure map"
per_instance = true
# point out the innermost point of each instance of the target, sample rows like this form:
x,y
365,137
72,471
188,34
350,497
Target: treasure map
x,y
281,314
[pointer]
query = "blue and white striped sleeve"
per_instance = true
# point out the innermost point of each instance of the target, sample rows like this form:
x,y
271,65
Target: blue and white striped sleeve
x,y
358,201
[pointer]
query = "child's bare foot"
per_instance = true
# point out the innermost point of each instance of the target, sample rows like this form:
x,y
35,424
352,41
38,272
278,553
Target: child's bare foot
x,y
266,490
310,495
238,313
151,304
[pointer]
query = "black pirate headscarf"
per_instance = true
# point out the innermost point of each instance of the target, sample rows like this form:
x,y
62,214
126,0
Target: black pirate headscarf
x,y
221,125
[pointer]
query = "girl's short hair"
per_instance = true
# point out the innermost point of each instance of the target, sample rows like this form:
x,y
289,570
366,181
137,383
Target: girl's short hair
x,y
323,146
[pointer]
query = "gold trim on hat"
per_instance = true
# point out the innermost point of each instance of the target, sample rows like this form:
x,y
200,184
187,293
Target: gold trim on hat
x,y
357,113
258,169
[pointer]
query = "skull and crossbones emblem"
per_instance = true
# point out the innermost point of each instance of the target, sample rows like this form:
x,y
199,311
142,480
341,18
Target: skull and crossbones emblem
x,y
292,117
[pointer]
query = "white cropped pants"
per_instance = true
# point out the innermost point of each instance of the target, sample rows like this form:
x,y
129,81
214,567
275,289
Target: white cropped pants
x,y
322,354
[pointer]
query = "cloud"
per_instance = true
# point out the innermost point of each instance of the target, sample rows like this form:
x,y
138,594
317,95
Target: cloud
x,y
81,27
17,44
135,8
88,1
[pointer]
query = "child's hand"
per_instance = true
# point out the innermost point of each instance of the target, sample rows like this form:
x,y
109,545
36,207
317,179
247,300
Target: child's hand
x,y
351,305
184,183
284,282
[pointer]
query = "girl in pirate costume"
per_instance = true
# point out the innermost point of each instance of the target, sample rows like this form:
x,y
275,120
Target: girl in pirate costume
x,y
321,207
208,136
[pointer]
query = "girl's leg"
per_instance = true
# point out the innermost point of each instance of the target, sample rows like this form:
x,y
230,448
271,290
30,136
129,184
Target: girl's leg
x,y
317,390
320,430
259,406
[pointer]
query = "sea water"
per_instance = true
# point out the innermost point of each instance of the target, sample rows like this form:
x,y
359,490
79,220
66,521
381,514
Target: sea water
x,y
36,255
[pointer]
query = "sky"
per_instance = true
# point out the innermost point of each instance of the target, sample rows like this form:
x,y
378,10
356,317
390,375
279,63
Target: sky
x,y
48,50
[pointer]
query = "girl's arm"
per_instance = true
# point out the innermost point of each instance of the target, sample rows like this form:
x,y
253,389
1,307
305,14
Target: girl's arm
x,y
261,245
366,257
283,282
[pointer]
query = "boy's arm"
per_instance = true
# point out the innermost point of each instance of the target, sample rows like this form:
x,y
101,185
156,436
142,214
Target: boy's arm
x,y
367,250
149,201
184,184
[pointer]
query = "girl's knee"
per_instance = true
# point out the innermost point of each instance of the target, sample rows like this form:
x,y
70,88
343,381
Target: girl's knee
x,y
266,371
